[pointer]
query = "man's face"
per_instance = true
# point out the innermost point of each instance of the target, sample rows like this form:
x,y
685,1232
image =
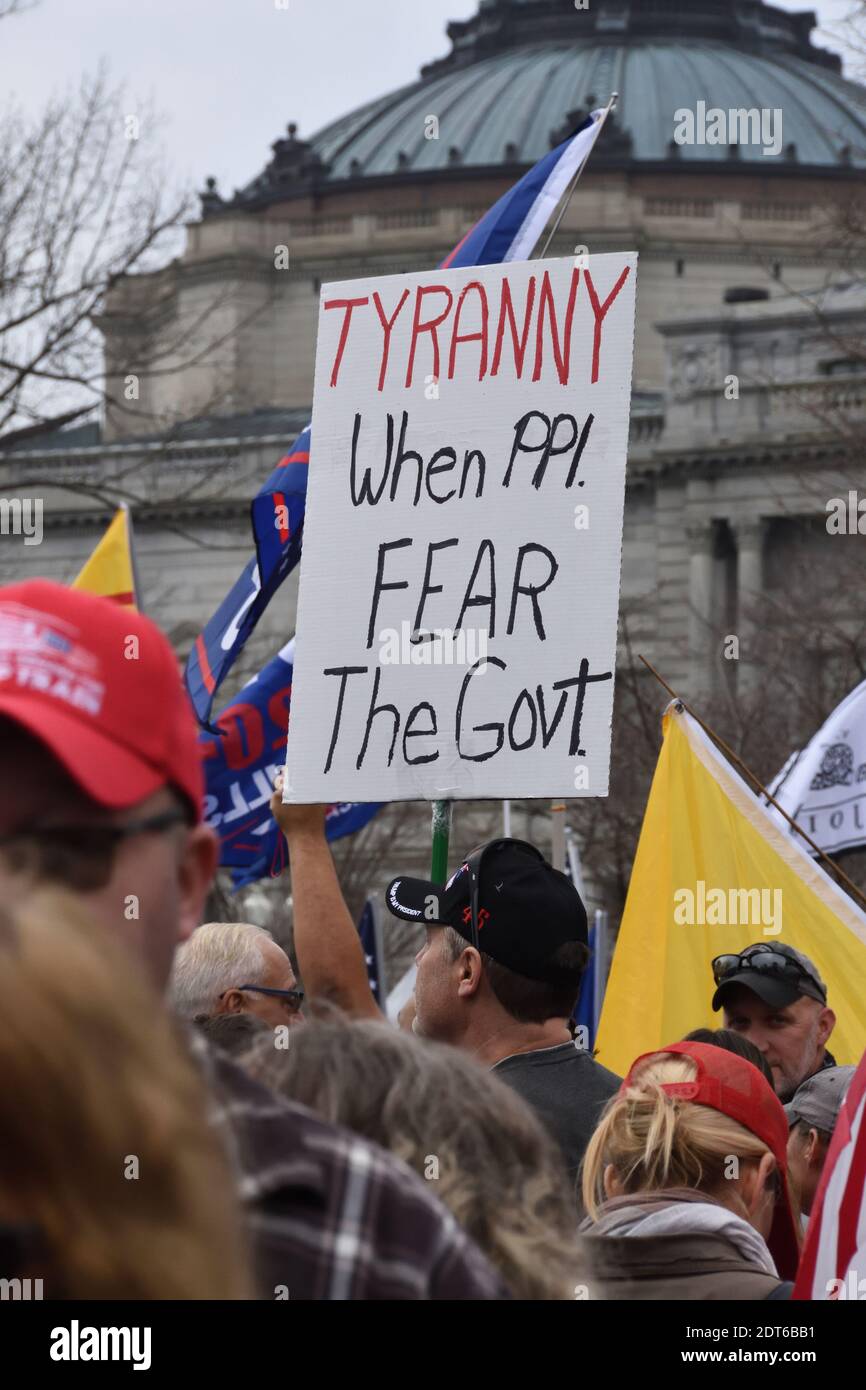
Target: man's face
x,y
436,998
791,1038
278,974
154,891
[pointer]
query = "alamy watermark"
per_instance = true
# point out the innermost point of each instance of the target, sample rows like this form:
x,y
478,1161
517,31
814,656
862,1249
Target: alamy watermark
x,y
77,1343
20,1290
846,516
22,516
441,647
737,126
851,1288
729,907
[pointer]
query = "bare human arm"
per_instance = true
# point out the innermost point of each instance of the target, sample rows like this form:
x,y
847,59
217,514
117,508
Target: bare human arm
x,y
330,956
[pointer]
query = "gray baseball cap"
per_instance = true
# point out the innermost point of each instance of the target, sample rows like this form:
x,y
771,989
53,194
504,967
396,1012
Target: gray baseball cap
x,y
817,1101
778,974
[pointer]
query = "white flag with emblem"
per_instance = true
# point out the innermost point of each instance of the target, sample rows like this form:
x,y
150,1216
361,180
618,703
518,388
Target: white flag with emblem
x,y
823,787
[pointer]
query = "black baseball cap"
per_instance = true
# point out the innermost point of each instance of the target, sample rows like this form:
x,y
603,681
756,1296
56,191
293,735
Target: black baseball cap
x,y
526,908
778,974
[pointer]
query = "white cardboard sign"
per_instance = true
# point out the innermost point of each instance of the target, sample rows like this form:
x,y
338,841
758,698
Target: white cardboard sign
x,y
459,586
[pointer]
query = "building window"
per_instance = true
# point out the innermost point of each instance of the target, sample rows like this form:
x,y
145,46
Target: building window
x,y
679,207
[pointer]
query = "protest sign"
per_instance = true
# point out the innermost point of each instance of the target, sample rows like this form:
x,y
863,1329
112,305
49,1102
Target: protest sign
x,y
459,586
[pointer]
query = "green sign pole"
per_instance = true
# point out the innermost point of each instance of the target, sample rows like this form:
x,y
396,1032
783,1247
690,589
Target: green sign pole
x,y
441,835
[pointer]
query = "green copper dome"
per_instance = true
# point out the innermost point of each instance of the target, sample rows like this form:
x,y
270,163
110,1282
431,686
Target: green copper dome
x,y
521,72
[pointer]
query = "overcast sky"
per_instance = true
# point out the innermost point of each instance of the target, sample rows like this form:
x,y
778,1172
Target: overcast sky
x,y
228,75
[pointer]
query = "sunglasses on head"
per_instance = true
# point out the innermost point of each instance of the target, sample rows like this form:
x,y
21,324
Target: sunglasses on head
x,y
766,960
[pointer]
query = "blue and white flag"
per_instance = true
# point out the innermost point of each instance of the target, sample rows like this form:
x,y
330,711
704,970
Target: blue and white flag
x,y
508,232
241,761
277,513
512,227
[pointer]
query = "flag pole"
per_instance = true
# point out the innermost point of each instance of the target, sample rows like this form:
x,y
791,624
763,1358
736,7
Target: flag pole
x,y
442,809
441,836
136,578
557,835
614,98
738,762
557,808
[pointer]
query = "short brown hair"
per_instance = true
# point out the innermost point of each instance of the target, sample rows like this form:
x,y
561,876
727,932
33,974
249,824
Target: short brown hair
x,y
531,1001
732,1041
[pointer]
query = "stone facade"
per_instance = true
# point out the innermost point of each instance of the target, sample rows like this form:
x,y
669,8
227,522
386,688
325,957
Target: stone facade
x,y
253,341
212,360
716,481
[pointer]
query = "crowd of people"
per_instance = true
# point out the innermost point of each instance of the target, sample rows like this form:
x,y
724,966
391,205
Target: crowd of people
x,y
189,1114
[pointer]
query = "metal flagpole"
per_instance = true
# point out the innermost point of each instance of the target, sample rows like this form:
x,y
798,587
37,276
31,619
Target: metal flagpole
x,y
600,965
557,834
614,98
557,809
574,862
442,809
506,819
136,578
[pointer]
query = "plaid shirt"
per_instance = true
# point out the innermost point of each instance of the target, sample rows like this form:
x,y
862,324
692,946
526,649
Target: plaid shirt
x,y
332,1216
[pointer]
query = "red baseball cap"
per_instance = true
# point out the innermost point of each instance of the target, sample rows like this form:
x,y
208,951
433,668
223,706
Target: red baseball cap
x,y
733,1086
98,684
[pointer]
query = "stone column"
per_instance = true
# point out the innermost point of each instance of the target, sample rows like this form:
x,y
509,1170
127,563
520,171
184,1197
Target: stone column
x,y
750,586
702,538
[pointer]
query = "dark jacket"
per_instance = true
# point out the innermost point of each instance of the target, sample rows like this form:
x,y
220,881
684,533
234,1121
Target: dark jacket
x,y
331,1216
676,1266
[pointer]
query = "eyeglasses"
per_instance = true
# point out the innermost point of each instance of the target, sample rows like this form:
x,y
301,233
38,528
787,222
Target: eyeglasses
x,y
292,998
81,857
766,961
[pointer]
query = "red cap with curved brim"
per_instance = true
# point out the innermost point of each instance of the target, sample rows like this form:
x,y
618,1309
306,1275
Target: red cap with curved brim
x,y
98,684
731,1085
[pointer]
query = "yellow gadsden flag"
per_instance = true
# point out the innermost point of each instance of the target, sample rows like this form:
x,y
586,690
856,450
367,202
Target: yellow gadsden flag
x,y
714,873
110,570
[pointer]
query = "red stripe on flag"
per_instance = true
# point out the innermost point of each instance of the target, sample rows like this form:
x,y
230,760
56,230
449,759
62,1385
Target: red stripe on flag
x,y
239,829
450,257
280,501
204,665
122,598
829,1214
852,1202
300,457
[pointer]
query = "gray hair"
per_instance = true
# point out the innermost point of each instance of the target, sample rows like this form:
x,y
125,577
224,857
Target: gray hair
x,y
495,1167
218,956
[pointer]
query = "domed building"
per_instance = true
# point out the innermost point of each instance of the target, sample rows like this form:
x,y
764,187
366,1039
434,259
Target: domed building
x,y
394,185
735,147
